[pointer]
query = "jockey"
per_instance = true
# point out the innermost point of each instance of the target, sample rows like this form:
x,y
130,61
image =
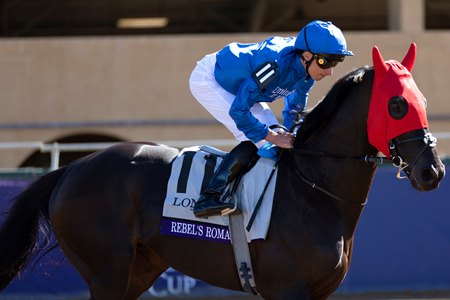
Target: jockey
x,y
235,84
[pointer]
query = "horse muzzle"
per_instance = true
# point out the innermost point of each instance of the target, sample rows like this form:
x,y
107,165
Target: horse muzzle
x,y
416,155
425,176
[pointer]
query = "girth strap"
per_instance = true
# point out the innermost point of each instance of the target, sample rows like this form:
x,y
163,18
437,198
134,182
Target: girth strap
x,y
242,253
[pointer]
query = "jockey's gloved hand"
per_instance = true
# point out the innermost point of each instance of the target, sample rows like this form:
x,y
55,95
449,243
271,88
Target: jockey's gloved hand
x,y
290,117
269,150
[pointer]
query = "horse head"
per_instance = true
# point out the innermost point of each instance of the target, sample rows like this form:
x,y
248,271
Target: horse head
x,y
397,123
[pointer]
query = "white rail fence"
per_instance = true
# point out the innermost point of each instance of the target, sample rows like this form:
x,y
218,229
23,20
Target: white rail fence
x,y
55,148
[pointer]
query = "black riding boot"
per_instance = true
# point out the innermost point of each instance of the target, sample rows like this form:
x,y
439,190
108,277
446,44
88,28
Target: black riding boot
x,y
209,203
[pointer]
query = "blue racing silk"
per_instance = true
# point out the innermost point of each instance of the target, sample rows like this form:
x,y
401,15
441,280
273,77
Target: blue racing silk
x,y
235,69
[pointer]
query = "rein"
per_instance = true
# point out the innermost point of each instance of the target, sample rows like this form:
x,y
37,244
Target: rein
x,y
368,159
303,178
396,161
379,160
313,185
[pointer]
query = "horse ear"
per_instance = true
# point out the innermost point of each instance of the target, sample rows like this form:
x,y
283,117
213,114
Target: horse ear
x,y
378,61
410,57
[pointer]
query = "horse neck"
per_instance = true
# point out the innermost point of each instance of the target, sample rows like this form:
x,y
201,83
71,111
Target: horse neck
x,y
344,134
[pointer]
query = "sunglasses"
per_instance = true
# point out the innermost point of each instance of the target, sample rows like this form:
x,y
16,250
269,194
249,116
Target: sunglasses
x,y
325,62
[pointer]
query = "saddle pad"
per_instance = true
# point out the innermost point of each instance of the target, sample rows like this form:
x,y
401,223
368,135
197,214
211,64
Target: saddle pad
x,y
191,171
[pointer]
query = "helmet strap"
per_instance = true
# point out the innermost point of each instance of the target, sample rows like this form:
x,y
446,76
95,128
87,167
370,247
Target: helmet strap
x,y
307,62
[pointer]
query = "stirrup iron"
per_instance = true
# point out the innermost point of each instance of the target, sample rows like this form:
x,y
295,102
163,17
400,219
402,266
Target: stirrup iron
x,y
235,210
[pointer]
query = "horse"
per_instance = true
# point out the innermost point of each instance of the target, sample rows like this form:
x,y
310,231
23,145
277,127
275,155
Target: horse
x,y
105,208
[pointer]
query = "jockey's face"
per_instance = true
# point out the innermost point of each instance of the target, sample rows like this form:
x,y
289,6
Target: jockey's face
x,y
316,72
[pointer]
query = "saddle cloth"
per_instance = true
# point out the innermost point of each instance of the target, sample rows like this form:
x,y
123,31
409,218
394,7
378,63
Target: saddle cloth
x,y
191,171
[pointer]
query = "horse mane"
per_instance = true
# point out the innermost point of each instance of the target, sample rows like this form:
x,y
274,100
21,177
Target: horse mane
x,y
318,116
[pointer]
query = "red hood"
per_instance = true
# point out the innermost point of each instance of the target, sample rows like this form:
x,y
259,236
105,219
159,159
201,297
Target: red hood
x,y
394,79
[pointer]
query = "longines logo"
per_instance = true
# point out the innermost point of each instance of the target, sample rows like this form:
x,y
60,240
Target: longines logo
x,y
184,202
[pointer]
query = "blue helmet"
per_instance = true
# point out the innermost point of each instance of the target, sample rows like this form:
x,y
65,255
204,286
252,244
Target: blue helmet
x,y
322,37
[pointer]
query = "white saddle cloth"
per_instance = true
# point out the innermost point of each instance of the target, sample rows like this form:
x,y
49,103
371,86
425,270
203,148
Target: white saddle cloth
x,y
183,189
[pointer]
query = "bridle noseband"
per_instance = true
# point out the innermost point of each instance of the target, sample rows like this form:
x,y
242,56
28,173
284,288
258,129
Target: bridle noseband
x,y
429,141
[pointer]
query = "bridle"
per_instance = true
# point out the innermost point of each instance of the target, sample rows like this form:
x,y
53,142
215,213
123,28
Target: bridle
x,y
429,141
395,159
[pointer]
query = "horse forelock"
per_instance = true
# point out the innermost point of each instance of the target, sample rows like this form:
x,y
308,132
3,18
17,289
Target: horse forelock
x,y
318,116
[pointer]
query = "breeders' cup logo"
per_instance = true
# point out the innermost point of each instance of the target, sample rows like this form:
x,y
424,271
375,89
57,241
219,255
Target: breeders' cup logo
x,y
172,283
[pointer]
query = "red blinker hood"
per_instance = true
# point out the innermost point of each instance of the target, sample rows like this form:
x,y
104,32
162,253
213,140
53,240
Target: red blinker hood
x,y
394,79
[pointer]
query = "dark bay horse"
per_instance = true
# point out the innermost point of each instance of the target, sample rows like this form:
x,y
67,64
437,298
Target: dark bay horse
x,y
105,209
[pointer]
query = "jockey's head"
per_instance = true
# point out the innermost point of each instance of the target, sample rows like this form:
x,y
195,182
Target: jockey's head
x,y
323,42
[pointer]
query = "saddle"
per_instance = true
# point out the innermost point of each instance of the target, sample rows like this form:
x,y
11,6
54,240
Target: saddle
x,y
191,171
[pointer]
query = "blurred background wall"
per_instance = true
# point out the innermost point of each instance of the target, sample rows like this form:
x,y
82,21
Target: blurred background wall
x,y
71,74
93,71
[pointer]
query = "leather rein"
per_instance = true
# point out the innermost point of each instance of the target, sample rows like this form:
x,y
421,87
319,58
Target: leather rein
x,y
396,160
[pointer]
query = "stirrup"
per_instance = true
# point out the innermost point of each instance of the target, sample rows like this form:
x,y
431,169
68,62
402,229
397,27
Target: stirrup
x,y
213,150
234,210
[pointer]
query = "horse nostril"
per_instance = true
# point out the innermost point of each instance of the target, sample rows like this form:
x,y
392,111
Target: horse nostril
x,y
431,174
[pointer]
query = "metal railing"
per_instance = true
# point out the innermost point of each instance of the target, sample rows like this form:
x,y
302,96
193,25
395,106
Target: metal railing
x,y
55,148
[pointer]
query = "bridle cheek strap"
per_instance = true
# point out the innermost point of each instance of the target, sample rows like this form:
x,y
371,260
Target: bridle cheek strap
x,y
429,141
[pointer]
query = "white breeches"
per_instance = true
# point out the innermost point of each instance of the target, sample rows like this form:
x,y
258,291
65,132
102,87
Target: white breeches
x,y
217,101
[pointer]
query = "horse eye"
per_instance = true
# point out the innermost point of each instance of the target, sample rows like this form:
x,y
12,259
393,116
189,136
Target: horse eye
x,y
425,101
398,107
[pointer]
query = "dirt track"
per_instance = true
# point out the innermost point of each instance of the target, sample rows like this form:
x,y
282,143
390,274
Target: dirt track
x,y
445,295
